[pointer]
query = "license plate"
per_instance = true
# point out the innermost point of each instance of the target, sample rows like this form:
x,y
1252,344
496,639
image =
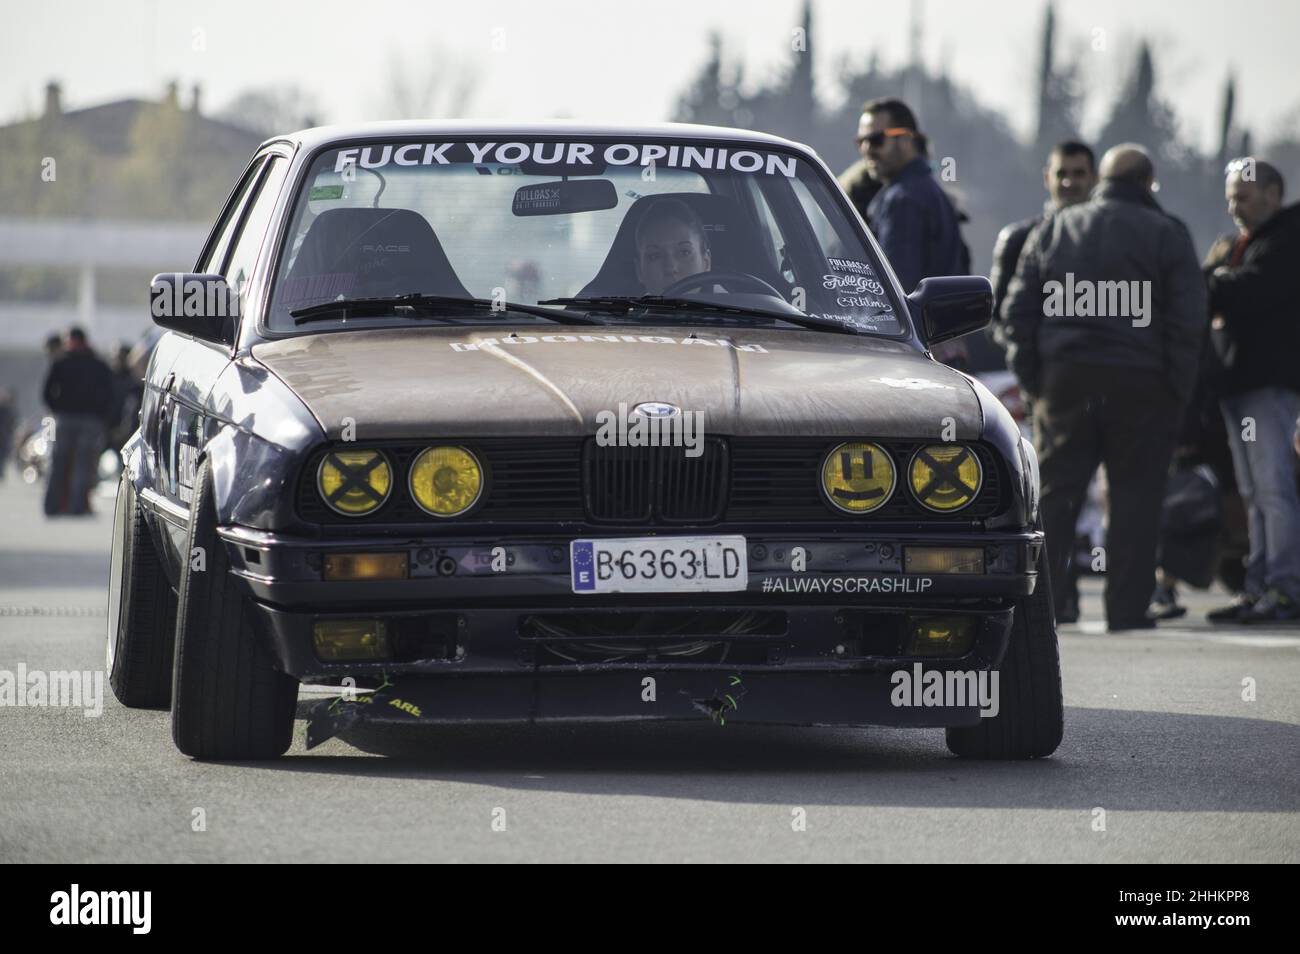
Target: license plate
x,y
659,564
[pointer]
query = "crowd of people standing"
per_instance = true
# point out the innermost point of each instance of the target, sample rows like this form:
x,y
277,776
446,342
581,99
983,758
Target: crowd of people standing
x,y
1127,388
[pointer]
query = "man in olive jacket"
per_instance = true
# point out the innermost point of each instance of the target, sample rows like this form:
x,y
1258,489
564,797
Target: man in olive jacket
x,y
1105,318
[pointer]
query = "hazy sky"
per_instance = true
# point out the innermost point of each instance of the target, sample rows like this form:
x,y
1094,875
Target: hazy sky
x,y
629,60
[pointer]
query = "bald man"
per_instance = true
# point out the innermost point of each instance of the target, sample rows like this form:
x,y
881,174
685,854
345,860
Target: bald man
x,y
1104,323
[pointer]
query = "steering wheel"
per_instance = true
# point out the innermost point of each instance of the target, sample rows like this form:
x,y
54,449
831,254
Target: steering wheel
x,y
744,280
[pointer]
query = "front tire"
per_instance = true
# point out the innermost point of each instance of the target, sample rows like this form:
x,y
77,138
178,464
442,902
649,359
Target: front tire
x,y
1031,713
228,699
141,610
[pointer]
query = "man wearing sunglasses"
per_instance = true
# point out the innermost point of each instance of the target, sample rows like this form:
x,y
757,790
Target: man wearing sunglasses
x,y
912,218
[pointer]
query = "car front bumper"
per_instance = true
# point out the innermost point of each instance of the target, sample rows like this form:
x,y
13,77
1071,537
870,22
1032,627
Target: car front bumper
x,y
811,646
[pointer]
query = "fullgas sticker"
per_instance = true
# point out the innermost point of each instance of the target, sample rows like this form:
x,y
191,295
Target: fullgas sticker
x,y
849,265
569,154
535,198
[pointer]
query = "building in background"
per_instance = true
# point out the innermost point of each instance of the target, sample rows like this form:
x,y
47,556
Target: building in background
x,y
94,201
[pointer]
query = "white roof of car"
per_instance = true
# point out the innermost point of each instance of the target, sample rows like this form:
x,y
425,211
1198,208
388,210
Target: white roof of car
x,y
403,128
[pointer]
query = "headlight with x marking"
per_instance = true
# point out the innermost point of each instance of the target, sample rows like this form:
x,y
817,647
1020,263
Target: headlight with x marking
x,y
354,482
945,477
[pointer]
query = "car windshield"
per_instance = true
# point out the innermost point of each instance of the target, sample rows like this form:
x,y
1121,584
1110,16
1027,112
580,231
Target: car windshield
x,y
748,233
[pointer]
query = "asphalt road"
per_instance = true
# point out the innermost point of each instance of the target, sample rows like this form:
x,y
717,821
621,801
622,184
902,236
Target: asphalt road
x,y
1157,735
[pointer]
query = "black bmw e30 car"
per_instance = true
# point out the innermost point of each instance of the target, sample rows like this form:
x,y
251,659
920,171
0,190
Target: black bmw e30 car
x,y
552,422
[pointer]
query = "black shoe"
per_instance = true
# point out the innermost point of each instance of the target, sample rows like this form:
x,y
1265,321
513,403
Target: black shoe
x,y
1234,612
1159,611
1273,607
1164,604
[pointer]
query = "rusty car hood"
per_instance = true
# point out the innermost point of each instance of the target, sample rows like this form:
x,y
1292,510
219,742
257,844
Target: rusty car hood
x,y
399,383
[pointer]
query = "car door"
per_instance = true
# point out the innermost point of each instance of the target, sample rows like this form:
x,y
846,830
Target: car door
x,y
157,407
185,425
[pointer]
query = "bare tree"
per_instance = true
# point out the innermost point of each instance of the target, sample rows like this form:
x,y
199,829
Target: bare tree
x,y
441,85
273,109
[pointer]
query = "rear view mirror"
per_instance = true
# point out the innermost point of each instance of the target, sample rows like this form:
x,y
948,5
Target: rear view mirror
x,y
204,306
951,306
564,197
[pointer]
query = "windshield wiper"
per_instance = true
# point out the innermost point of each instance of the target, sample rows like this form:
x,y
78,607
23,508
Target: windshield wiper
x,y
436,306
622,304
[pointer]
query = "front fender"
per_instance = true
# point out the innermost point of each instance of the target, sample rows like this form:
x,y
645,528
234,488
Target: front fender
x,y
1031,480
252,480
1001,432
259,434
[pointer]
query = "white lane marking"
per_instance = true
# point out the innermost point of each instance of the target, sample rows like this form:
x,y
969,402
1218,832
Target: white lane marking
x,y
1258,640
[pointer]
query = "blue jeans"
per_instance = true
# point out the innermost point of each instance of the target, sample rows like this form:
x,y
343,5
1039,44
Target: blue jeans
x,y
1266,478
78,441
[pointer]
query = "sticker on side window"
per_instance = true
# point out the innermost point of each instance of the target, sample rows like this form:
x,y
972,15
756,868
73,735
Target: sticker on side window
x,y
850,265
852,287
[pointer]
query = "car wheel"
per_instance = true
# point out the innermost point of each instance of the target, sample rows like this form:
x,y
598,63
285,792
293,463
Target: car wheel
x,y
228,699
141,610
1031,713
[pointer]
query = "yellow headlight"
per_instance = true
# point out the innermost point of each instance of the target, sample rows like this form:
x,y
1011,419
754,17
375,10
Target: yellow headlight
x,y
446,481
945,477
354,482
857,477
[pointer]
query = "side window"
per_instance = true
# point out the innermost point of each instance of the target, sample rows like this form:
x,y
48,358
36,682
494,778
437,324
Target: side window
x,y
770,236
226,229
249,241
821,225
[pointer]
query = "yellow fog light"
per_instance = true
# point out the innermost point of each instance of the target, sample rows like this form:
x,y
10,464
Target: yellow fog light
x,y
858,477
365,566
341,640
354,482
940,635
446,481
945,477
943,560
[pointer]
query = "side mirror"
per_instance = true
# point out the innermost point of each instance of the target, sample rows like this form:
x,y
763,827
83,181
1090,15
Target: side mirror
x,y
204,306
951,306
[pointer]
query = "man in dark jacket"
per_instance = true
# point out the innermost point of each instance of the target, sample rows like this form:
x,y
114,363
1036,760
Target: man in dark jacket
x,y
1069,176
1104,319
912,218
1254,287
79,390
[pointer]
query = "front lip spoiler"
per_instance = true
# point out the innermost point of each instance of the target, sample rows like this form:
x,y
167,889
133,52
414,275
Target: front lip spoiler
x,y
721,696
826,639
